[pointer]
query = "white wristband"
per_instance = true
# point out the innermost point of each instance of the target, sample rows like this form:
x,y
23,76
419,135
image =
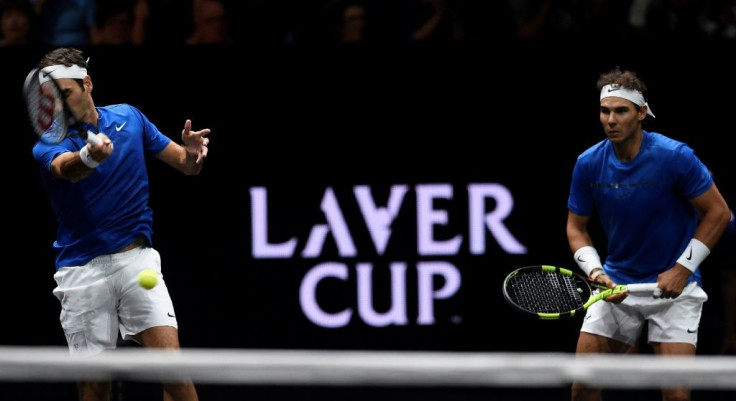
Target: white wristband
x,y
596,272
86,158
694,255
588,259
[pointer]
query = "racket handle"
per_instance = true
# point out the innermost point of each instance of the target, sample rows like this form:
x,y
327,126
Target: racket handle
x,y
92,139
644,289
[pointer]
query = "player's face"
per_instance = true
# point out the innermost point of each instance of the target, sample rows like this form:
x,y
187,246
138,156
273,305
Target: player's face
x,y
620,119
79,100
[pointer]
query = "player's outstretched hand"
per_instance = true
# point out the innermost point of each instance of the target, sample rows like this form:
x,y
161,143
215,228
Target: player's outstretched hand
x,y
195,142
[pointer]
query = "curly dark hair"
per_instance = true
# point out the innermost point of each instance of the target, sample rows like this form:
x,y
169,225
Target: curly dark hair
x,y
624,78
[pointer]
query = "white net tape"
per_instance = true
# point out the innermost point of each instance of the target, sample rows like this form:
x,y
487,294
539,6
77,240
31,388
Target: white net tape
x,y
369,368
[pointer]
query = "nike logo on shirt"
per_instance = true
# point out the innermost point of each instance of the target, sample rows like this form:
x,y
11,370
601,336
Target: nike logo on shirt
x,y
119,127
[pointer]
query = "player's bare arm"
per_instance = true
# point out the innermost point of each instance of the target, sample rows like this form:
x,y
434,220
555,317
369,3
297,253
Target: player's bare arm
x,y
69,165
714,217
188,157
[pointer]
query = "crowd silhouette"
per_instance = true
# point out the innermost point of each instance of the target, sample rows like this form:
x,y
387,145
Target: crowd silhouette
x,y
324,22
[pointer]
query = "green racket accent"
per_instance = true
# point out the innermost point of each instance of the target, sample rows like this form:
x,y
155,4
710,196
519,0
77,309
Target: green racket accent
x,y
605,294
552,293
565,272
555,269
547,292
549,269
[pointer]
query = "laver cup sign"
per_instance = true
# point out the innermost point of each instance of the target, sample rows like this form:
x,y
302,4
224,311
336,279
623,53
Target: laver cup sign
x,y
437,247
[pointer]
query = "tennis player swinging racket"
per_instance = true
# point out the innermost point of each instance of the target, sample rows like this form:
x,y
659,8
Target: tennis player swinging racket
x,y
53,119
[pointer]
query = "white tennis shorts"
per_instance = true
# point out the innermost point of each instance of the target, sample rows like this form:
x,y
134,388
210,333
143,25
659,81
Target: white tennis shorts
x,y
104,297
670,320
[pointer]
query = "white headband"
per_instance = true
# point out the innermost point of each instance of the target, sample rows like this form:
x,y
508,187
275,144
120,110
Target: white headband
x,y
616,90
62,71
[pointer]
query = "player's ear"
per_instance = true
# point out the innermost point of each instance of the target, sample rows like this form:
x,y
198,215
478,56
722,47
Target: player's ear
x,y
88,83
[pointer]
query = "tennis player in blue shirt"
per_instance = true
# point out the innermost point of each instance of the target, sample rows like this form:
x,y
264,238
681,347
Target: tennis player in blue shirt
x,y
661,214
100,197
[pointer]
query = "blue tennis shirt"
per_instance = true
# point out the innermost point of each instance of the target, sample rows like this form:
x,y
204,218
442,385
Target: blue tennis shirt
x,y
109,209
643,204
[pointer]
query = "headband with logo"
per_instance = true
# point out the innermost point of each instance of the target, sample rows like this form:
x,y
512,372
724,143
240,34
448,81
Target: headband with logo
x,y
62,71
636,97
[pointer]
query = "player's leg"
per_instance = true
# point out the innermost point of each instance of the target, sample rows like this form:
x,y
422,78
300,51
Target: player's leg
x,y
590,344
607,328
88,316
676,393
168,337
673,330
94,391
147,315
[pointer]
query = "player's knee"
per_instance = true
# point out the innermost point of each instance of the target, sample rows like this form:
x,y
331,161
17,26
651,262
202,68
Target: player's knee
x,y
180,391
94,391
582,393
675,395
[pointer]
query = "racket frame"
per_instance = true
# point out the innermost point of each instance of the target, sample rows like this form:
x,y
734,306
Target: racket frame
x,y
585,286
68,119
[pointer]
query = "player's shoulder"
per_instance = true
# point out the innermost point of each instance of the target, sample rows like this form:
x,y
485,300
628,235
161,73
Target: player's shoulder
x,y
120,110
664,144
595,151
119,107
657,138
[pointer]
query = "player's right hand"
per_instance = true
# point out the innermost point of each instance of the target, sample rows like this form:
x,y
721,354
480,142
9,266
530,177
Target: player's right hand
x,y
101,152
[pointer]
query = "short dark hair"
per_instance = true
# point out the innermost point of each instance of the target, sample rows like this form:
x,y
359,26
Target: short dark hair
x,y
66,56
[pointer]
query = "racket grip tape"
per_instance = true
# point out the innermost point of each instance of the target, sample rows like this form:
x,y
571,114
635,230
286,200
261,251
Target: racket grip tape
x,y
645,289
92,139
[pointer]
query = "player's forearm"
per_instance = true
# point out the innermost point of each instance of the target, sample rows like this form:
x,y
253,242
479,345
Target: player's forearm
x,y
578,241
178,157
188,162
191,164
69,166
712,225
577,236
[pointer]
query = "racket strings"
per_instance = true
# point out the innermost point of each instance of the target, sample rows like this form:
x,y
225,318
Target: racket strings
x,y
42,108
543,292
45,110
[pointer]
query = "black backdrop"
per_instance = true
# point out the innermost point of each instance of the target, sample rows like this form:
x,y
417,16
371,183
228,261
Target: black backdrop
x,y
304,124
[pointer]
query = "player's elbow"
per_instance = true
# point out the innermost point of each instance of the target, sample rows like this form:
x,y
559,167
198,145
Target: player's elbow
x,y
719,216
724,215
69,171
75,177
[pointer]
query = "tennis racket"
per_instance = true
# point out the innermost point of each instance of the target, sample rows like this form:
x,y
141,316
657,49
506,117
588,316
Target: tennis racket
x,y
551,293
49,114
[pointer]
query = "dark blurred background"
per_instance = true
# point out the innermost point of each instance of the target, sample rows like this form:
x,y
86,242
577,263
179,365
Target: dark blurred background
x,y
308,101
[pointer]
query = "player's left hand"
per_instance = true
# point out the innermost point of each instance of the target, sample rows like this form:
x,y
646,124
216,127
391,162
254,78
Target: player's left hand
x,y
195,142
673,281
615,298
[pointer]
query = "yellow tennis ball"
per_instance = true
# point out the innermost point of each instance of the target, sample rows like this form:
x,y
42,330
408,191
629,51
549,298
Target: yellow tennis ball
x,y
147,279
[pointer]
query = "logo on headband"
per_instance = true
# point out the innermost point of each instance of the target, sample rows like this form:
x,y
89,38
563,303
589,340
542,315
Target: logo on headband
x,y
614,87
